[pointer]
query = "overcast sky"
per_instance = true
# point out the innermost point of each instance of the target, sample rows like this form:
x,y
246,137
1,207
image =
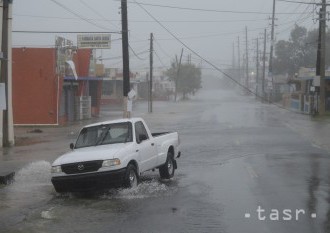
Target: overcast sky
x,y
209,31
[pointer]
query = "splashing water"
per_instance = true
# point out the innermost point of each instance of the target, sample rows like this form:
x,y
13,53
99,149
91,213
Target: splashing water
x,y
34,173
146,189
31,185
36,177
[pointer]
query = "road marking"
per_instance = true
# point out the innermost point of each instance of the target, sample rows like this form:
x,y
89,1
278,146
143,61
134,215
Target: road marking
x,y
247,215
313,215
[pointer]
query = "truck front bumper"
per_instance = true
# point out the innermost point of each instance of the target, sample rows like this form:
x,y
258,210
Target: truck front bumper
x,y
89,182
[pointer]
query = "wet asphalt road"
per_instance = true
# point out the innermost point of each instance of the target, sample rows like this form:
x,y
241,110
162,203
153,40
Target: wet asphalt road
x,y
238,155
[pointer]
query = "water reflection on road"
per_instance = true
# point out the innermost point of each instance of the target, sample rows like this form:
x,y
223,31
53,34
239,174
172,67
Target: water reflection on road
x,y
237,154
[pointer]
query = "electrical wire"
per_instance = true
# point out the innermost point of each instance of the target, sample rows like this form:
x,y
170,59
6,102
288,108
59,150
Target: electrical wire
x,y
63,32
291,27
160,60
297,7
205,60
145,21
212,35
97,13
120,57
309,3
301,19
161,48
203,10
136,55
78,15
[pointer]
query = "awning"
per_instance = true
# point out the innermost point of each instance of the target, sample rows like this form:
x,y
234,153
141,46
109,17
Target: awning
x,y
311,78
72,78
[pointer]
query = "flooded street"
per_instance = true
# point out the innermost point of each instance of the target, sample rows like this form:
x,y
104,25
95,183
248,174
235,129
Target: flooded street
x,y
238,156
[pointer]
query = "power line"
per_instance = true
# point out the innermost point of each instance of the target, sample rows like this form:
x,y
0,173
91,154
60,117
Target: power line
x,y
295,10
213,35
76,14
120,57
309,3
145,21
205,10
301,19
161,48
136,55
64,32
205,60
96,12
160,60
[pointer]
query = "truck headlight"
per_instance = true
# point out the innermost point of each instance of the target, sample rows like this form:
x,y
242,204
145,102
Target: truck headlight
x,y
111,162
56,169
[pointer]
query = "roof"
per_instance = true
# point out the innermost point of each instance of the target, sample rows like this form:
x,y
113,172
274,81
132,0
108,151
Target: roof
x,y
123,120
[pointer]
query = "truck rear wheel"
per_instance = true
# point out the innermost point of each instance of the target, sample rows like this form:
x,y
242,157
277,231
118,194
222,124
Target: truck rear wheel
x,y
131,177
166,171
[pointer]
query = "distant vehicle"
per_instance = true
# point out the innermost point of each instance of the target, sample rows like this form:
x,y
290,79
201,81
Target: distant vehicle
x,y
114,154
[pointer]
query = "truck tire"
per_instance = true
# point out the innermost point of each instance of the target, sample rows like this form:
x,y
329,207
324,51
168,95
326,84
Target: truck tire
x,y
166,171
131,178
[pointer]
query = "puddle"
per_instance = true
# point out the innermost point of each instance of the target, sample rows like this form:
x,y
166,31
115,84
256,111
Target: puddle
x,y
146,189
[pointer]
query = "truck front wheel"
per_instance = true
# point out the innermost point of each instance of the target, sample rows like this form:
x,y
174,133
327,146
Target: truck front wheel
x,y
131,177
166,171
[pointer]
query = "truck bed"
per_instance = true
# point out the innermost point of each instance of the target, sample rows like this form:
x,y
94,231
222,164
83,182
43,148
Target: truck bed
x,y
159,134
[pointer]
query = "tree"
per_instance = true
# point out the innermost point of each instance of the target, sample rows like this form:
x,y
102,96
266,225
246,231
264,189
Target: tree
x,y
189,79
289,55
282,63
299,51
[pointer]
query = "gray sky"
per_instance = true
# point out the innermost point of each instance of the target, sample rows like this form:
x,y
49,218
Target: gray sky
x,y
210,34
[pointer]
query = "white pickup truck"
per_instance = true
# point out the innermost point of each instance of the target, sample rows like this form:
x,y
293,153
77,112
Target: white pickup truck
x,y
114,154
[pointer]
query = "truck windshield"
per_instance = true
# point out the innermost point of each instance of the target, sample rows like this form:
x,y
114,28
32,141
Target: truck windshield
x,y
105,134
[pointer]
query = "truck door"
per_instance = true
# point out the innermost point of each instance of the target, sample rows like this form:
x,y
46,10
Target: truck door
x,y
146,147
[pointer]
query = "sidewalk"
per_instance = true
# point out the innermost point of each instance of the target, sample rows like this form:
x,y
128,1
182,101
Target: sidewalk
x,y
315,129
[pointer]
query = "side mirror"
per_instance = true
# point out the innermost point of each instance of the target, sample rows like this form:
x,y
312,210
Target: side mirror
x,y
71,146
142,137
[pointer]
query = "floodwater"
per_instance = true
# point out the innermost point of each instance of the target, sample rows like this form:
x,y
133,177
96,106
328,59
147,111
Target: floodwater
x,y
238,155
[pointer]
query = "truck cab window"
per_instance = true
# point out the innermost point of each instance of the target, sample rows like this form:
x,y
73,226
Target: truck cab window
x,y
140,130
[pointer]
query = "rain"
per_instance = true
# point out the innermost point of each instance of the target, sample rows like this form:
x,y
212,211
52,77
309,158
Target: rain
x,y
221,123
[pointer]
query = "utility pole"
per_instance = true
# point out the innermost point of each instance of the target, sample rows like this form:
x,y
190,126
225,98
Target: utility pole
x,y
234,67
247,60
151,71
177,75
270,68
322,57
239,59
6,73
257,67
264,66
189,59
126,73
233,58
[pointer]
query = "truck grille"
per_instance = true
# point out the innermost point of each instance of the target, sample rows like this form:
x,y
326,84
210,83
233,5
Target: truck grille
x,y
82,167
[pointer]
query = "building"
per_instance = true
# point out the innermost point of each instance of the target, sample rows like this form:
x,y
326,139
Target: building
x,y
162,87
42,95
112,87
305,96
